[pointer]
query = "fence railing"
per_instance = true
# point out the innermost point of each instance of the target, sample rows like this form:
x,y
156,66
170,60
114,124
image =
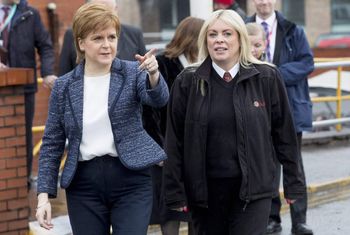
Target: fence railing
x,y
338,63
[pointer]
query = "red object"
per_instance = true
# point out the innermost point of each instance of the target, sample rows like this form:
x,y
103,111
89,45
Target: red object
x,y
226,2
185,209
336,42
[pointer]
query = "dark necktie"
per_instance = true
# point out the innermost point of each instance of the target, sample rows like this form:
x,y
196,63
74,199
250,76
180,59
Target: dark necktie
x,y
227,77
267,50
5,31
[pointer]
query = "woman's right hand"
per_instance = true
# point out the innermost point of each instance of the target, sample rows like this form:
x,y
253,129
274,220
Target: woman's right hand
x,y
181,209
43,211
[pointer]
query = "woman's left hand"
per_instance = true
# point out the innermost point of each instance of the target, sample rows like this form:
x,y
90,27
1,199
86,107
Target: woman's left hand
x,y
149,63
290,201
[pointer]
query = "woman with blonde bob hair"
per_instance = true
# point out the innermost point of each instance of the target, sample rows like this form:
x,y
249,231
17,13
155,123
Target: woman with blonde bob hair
x,y
96,107
228,125
236,23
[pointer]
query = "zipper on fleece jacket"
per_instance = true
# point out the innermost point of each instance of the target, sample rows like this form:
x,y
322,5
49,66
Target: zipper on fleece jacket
x,y
246,204
247,186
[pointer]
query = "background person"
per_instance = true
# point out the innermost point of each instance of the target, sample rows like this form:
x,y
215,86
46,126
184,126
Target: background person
x,y
130,43
97,107
229,4
22,34
181,52
257,40
228,120
288,48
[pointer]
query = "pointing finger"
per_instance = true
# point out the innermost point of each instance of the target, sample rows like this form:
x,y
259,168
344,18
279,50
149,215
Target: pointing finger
x,y
149,54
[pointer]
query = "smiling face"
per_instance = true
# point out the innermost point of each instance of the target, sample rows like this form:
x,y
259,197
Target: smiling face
x,y
223,44
99,48
264,8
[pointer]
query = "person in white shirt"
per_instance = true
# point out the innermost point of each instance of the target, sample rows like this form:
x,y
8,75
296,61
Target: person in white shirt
x,y
96,107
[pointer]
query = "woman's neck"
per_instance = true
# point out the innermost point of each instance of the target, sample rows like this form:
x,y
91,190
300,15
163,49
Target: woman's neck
x,y
96,70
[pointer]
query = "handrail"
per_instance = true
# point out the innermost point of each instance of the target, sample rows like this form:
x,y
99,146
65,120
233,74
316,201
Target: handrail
x,y
319,59
330,122
332,64
338,63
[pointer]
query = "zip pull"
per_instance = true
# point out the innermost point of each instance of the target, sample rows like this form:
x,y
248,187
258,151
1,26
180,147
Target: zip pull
x,y
245,205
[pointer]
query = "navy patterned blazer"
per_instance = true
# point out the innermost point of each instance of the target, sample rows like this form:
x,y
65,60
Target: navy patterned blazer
x,y
129,89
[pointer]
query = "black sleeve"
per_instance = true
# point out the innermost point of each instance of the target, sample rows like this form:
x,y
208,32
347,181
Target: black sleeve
x,y
285,141
68,54
174,190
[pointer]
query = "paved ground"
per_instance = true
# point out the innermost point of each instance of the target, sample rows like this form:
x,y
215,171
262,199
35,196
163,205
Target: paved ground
x,y
328,219
326,162
323,163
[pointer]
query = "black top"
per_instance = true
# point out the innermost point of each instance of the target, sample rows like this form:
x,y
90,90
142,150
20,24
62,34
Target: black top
x,y
222,159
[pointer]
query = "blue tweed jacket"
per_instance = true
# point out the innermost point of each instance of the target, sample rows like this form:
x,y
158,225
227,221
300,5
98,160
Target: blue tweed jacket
x,y
127,92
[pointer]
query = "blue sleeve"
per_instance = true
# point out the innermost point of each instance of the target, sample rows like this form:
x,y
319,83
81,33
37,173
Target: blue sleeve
x,y
44,46
155,97
53,144
300,62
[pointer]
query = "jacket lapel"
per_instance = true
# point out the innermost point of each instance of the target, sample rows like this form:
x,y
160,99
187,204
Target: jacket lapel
x,y
76,95
116,83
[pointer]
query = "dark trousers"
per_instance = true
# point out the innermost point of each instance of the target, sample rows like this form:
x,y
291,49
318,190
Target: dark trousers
x,y
227,214
299,207
104,193
29,102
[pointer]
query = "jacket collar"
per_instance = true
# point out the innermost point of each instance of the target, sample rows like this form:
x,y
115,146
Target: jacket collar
x,y
203,71
283,23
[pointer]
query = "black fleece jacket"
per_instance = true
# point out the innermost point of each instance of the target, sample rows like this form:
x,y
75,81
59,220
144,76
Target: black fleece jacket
x,y
265,132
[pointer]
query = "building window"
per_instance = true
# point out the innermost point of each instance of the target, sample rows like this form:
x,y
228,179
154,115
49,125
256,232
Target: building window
x,y
340,15
171,13
294,10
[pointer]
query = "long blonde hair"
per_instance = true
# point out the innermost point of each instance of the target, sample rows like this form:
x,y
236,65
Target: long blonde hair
x,y
234,20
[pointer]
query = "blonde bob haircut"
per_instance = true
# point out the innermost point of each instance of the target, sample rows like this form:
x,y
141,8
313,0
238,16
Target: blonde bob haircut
x,y
91,18
255,29
235,21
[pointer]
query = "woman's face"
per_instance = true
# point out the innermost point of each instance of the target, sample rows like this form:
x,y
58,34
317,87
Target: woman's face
x,y
100,47
223,44
258,45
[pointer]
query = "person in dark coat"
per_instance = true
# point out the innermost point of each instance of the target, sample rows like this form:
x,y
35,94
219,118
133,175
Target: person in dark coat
x,y
289,50
181,52
130,43
96,107
229,123
24,34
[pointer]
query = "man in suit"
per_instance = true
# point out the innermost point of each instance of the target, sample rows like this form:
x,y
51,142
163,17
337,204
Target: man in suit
x,y
288,49
130,43
24,33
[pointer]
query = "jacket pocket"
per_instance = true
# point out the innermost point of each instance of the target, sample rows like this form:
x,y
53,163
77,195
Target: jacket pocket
x,y
302,112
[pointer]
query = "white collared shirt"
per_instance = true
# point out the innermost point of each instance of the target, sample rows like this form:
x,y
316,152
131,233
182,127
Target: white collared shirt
x,y
272,25
233,71
183,60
